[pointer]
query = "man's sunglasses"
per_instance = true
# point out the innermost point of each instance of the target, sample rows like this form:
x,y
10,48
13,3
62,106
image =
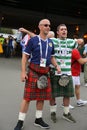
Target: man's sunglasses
x,y
46,25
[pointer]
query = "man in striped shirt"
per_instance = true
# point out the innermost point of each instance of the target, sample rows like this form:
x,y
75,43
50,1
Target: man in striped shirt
x,y
63,48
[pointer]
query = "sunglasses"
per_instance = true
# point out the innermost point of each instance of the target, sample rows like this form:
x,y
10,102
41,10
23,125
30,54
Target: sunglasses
x,y
46,25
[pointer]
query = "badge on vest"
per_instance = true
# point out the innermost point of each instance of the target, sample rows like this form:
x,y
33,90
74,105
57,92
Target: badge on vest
x,y
43,62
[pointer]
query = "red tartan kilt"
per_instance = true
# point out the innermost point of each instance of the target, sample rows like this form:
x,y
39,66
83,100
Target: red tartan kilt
x,y
38,69
31,92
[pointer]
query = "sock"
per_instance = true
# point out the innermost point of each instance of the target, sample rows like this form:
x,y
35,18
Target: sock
x,y
22,116
38,113
53,108
66,110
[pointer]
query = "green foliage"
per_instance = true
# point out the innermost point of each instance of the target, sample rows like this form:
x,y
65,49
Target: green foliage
x,y
6,30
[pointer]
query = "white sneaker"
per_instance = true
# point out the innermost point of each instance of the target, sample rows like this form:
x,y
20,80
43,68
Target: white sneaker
x,y
85,85
81,103
70,106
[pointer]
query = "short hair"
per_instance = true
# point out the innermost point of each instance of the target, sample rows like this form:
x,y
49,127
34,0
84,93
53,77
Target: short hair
x,y
52,33
58,27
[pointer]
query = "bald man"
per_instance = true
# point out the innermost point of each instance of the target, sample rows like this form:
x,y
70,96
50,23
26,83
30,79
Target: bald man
x,y
42,50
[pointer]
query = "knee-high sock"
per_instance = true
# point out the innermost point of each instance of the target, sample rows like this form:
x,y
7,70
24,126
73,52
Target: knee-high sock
x,y
53,108
66,110
22,116
38,114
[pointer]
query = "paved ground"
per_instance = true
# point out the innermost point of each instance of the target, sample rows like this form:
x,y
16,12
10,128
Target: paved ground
x,y
11,91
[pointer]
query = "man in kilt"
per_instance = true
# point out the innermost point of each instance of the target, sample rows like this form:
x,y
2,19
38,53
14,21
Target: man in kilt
x,y
63,47
41,50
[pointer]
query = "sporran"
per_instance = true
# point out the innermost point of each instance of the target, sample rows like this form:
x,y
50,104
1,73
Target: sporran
x,y
42,82
64,80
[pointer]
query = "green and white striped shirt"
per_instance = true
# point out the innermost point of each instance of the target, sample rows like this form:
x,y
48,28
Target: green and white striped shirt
x,y
63,51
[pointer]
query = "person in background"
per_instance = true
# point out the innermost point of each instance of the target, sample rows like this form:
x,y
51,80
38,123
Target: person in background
x,y
85,65
51,34
77,61
9,49
81,50
42,50
24,41
1,49
2,39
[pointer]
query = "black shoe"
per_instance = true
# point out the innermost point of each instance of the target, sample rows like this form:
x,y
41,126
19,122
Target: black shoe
x,y
69,117
53,117
19,125
41,123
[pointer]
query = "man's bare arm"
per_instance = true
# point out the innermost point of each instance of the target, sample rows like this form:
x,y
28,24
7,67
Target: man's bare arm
x,y
27,32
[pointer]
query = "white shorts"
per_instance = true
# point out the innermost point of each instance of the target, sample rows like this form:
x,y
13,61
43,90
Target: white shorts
x,y
76,80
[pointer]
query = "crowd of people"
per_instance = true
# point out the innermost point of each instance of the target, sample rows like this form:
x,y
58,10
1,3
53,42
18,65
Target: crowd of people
x,y
54,66
9,47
